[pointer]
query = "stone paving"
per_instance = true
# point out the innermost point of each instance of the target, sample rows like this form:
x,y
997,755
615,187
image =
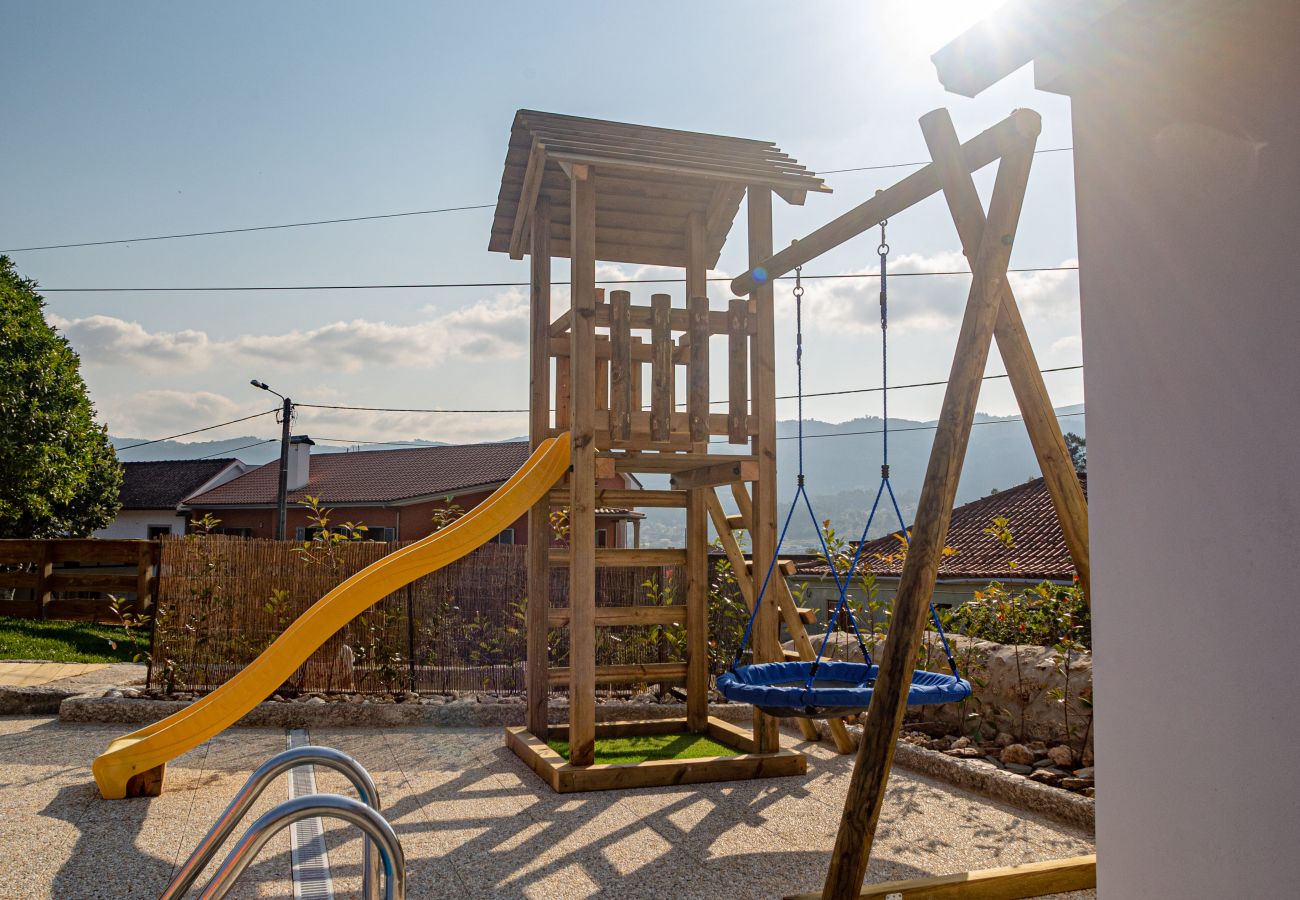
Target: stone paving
x,y
475,822
30,674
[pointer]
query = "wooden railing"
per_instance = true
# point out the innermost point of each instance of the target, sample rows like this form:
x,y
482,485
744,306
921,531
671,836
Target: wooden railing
x,y
36,574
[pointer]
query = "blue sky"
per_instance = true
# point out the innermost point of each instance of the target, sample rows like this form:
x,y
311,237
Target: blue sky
x,y
138,119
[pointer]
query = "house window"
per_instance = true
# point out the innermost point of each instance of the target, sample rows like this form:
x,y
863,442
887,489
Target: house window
x,y
505,537
309,533
156,531
381,534
602,537
234,532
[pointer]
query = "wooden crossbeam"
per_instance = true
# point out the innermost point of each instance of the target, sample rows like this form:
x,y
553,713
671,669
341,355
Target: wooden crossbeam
x,y
722,472
1036,879
934,510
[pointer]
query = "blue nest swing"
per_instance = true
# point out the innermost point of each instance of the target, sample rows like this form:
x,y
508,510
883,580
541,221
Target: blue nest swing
x,y
827,689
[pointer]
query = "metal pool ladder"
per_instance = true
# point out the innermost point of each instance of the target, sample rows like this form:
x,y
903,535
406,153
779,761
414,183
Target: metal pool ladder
x,y
381,845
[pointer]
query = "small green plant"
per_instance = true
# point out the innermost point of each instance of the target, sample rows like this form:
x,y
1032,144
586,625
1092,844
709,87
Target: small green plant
x,y
445,515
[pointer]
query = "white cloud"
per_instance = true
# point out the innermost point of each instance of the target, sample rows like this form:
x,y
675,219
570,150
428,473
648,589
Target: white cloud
x,y
924,303
157,412
1070,346
111,341
490,329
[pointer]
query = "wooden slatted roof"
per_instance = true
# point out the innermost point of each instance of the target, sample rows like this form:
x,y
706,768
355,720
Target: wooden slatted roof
x,y
649,181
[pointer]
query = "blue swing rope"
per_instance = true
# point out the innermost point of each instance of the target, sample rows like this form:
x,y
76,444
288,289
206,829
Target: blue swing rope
x,y
801,493
885,485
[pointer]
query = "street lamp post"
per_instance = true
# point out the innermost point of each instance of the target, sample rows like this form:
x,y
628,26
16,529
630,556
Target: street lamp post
x,y
282,491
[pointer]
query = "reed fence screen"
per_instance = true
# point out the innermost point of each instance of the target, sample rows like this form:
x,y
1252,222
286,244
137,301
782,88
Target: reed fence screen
x,y
223,600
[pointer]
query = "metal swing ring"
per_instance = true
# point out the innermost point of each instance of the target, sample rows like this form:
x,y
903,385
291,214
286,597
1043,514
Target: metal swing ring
x,y
798,285
883,249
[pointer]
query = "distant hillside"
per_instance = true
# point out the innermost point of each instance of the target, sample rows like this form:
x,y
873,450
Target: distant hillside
x,y
843,472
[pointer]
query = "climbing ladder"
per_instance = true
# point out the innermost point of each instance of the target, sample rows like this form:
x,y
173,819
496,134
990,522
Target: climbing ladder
x,y
795,617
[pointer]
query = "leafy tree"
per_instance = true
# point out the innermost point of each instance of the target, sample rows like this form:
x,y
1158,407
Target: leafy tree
x,y
59,474
1078,448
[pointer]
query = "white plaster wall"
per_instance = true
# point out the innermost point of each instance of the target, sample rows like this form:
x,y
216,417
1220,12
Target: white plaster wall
x,y
134,523
1191,345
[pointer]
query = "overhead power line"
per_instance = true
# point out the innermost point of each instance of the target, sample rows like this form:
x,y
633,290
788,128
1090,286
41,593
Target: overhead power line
x,y
395,215
866,390
916,165
791,437
237,449
506,284
192,234
172,437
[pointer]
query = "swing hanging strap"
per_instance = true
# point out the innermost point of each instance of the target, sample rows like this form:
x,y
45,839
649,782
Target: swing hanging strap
x,y
801,494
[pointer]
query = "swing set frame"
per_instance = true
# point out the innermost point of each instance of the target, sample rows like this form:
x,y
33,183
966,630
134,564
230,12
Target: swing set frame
x,y
991,314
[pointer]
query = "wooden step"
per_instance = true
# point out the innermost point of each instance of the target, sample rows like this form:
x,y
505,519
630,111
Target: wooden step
x,y
613,616
791,655
787,567
648,673
737,523
615,557
806,615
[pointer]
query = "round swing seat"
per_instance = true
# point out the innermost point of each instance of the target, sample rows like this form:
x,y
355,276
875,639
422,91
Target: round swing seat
x,y
838,689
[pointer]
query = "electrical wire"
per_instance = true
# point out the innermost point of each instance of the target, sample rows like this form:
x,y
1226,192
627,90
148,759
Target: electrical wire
x,y
191,234
195,431
237,449
506,284
1009,419
839,393
396,215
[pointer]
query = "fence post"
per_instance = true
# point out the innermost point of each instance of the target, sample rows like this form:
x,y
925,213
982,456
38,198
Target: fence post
x,y
144,578
41,591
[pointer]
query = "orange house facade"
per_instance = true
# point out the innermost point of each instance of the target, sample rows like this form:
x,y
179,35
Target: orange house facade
x,y
398,495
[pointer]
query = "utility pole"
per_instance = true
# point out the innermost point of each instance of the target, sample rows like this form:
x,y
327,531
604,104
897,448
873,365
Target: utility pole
x,y
282,491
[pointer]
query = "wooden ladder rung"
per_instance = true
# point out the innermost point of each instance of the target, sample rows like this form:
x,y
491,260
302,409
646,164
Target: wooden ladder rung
x,y
791,655
648,673
786,566
806,615
737,523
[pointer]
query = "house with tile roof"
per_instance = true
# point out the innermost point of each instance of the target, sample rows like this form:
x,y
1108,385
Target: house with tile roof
x,y
396,494
1028,549
153,494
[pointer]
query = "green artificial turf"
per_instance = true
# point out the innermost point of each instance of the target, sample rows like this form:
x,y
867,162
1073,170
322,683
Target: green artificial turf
x,y
84,642
656,746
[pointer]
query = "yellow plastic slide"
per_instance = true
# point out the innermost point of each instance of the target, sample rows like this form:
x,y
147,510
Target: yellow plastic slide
x,y
152,747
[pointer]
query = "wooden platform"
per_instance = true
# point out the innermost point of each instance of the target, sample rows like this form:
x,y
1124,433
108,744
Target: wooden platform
x,y
564,778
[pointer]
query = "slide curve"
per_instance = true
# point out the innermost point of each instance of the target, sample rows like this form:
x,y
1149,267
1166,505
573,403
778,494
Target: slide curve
x,y
155,745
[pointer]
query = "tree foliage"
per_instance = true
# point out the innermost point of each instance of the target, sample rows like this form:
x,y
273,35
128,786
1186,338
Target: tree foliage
x,y
59,475
1078,448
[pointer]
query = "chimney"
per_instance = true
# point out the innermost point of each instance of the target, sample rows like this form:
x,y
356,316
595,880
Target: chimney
x,y
299,461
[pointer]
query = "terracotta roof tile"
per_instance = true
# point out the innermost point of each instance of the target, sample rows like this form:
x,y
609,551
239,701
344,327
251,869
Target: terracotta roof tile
x,y
1039,549
379,476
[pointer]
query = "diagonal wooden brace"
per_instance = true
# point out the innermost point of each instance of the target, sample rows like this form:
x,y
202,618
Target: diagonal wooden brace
x,y
1016,351
916,584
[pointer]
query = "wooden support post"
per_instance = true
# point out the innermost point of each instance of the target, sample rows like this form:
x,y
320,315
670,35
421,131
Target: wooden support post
x,y
582,511
1017,353
620,365
697,610
767,647
43,589
539,429
697,378
697,311
737,377
144,578
889,700
661,385
638,376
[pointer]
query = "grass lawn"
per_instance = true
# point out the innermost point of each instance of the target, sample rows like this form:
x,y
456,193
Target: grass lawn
x,y
56,641
656,746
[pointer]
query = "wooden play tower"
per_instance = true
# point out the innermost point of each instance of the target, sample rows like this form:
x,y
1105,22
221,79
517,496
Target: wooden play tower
x,y
631,382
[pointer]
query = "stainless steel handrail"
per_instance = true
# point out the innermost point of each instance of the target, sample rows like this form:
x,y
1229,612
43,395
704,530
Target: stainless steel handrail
x,y
253,788
332,806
